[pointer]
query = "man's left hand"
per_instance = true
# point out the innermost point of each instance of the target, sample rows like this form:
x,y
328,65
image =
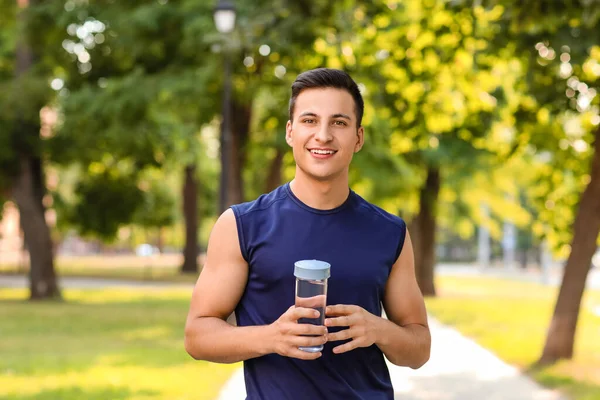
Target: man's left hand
x,y
361,326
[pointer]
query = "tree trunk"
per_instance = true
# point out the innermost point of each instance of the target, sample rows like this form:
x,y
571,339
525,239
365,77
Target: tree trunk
x,y
190,213
561,334
415,234
524,258
240,134
27,195
274,177
425,232
24,256
28,191
160,240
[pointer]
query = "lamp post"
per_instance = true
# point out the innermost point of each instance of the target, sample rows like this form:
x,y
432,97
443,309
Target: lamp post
x,y
224,16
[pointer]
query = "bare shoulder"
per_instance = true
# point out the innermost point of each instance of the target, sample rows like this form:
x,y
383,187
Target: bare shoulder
x,y
224,236
406,258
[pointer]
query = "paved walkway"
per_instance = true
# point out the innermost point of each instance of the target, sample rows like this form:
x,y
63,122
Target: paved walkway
x,y
459,369
20,281
552,278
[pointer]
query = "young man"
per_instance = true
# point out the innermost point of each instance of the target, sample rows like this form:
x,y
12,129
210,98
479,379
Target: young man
x,y
250,269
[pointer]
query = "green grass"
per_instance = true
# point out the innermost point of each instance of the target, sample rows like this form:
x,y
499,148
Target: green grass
x,y
511,319
128,272
100,345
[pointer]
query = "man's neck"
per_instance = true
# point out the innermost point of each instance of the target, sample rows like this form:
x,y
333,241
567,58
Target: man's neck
x,y
321,195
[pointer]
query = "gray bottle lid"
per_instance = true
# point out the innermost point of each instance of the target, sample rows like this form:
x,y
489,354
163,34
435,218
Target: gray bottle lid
x,y
312,269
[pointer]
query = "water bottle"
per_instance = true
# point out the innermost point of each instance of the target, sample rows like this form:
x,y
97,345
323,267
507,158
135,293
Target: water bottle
x,y
311,292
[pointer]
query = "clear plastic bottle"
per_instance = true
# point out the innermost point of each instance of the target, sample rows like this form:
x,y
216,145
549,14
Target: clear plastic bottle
x,y
311,292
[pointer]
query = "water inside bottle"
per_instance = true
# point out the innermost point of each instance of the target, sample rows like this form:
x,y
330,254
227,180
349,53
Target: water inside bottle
x,y
312,294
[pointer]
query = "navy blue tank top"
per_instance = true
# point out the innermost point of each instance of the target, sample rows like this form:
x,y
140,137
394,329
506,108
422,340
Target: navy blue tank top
x,y
361,242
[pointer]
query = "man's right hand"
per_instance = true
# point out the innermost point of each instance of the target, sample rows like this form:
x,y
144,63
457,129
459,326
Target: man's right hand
x,y
288,335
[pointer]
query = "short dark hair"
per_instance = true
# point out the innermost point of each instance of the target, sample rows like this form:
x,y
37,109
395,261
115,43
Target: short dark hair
x,y
327,78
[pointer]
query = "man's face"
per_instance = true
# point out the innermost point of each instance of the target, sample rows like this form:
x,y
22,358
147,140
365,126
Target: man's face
x,y
323,133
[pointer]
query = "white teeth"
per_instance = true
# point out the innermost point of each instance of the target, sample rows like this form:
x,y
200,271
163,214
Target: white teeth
x,y
322,152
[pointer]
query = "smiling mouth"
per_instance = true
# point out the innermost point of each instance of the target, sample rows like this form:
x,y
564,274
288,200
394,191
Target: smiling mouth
x,y
322,152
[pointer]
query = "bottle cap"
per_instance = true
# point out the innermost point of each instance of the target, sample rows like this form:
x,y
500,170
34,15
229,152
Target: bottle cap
x,y
312,269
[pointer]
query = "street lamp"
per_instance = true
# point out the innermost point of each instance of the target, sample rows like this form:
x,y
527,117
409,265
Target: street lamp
x,y
224,15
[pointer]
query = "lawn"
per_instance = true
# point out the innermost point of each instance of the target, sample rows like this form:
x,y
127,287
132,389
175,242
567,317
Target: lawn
x,y
100,345
511,319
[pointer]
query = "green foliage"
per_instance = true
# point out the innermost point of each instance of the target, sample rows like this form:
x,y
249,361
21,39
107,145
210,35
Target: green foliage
x,y
138,86
105,201
7,39
482,91
557,45
23,93
157,208
432,97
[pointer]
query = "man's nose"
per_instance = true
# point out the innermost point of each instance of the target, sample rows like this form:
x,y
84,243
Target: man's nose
x,y
324,134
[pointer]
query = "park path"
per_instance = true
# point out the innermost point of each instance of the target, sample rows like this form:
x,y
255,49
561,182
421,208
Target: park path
x,y
70,282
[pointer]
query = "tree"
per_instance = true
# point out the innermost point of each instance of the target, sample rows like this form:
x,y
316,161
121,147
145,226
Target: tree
x,y
137,90
21,102
558,44
190,210
561,335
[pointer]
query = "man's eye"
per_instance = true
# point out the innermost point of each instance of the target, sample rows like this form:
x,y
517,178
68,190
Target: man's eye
x,y
339,123
308,121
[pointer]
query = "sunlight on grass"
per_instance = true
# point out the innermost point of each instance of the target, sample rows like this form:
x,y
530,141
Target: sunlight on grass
x,y
118,295
175,382
511,319
153,333
101,344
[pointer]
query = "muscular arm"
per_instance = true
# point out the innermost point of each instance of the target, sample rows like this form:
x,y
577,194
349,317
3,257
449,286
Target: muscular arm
x,y
218,290
404,337
220,286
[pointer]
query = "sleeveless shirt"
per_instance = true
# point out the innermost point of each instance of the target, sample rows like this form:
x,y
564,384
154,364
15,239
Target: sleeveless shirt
x,y
361,242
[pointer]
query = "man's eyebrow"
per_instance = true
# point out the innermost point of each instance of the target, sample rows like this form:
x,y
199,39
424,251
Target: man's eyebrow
x,y
341,116
338,115
308,114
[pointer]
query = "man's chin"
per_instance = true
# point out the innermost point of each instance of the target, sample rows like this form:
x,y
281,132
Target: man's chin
x,y
321,176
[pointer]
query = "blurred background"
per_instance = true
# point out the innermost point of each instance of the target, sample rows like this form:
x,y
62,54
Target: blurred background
x,y
127,127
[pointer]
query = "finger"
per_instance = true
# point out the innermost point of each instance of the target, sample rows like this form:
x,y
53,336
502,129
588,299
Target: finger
x,y
340,309
345,347
309,329
311,302
339,321
303,355
303,312
341,335
309,341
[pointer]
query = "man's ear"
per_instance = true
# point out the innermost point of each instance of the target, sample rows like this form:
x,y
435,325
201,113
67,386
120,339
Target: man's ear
x,y
288,133
360,139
